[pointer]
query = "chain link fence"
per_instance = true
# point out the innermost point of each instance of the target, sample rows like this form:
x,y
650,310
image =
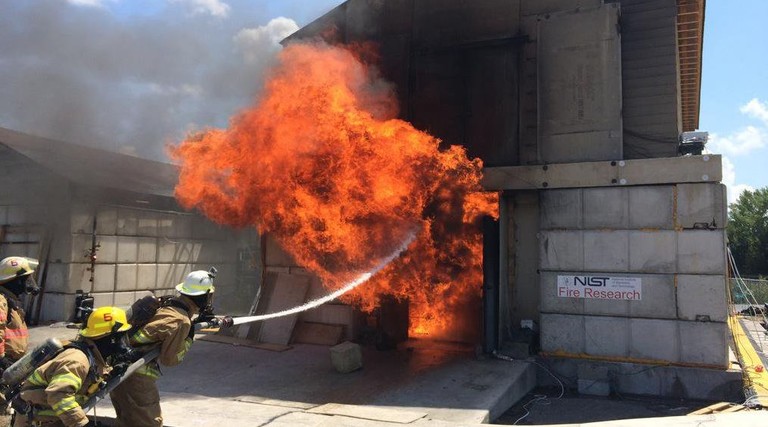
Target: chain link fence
x,y
749,291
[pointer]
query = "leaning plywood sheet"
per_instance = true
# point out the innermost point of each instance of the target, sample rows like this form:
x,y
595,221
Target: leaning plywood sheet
x,y
288,291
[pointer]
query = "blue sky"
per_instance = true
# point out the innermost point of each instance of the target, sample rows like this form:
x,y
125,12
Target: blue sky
x,y
178,65
734,98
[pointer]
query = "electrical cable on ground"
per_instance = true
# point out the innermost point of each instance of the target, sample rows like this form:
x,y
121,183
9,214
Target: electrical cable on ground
x,y
537,397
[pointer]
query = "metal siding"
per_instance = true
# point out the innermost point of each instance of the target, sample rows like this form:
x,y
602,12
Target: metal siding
x,y
649,73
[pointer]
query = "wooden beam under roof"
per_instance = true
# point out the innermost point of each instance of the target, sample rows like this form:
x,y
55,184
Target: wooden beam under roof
x,y
690,35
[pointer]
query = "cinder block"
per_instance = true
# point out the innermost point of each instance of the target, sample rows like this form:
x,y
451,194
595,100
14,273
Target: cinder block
x,y
107,250
562,333
701,251
701,203
58,308
346,357
651,207
104,278
561,209
561,250
606,251
127,222
551,302
127,249
702,297
147,250
655,339
79,278
167,251
103,299
209,252
124,299
81,218
653,251
202,228
106,220
81,244
191,251
606,336
658,300
603,307
704,343
147,276
606,208
170,275
147,224
126,277
57,278
182,226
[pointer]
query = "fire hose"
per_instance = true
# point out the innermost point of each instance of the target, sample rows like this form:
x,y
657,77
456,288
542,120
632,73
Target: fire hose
x,y
359,280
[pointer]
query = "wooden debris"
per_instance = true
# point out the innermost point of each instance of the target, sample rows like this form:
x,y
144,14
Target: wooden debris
x,y
718,408
318,333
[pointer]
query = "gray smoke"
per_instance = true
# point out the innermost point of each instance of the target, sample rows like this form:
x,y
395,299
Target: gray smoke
x,y
77,71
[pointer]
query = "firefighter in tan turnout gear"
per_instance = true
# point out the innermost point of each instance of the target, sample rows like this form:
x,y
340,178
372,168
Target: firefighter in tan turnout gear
x,y
53,394
137,400
15,281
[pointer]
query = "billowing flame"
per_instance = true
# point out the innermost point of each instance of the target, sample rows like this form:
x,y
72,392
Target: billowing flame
x,y
321,164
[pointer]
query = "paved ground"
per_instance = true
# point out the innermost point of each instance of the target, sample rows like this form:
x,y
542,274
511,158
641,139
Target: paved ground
x,y
225,385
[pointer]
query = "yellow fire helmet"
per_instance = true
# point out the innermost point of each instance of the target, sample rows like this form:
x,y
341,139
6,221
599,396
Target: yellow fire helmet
x,y
197,282
16,266
104,321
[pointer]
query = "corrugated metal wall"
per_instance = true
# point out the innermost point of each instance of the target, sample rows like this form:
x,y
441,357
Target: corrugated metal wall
x,y
650,78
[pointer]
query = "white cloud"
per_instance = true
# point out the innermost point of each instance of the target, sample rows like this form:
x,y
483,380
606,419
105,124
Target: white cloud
x,y
742,142
729,179
94,3
213,7
755,108
252,42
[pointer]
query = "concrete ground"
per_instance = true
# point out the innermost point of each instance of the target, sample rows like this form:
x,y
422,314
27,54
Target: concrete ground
x,y
426,384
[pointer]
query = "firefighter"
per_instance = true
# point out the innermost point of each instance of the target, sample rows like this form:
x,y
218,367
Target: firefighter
x,y
51,396
15,281
137,400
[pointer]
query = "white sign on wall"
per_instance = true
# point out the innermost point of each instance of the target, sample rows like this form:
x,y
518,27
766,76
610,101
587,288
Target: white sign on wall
x,y
600,287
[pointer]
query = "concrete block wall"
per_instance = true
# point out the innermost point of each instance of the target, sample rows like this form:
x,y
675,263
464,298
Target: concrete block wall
x,y
141,251
672,237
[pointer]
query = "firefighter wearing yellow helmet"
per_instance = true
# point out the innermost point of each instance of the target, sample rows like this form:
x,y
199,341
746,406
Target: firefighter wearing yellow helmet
x,y
15,281
56,389
137,400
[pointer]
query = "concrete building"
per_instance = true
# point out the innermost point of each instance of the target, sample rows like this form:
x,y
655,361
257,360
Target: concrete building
x,y
59,200
576,108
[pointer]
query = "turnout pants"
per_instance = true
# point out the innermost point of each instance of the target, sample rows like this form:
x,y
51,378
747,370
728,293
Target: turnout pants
x,y
137,402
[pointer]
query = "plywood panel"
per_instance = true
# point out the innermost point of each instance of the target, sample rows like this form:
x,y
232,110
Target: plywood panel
x,y
287,291
318,333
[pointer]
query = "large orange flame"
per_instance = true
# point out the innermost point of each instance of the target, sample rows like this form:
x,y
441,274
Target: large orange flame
x,y
321,164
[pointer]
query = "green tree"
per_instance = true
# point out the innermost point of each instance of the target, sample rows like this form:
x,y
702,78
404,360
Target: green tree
x,y
748,232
